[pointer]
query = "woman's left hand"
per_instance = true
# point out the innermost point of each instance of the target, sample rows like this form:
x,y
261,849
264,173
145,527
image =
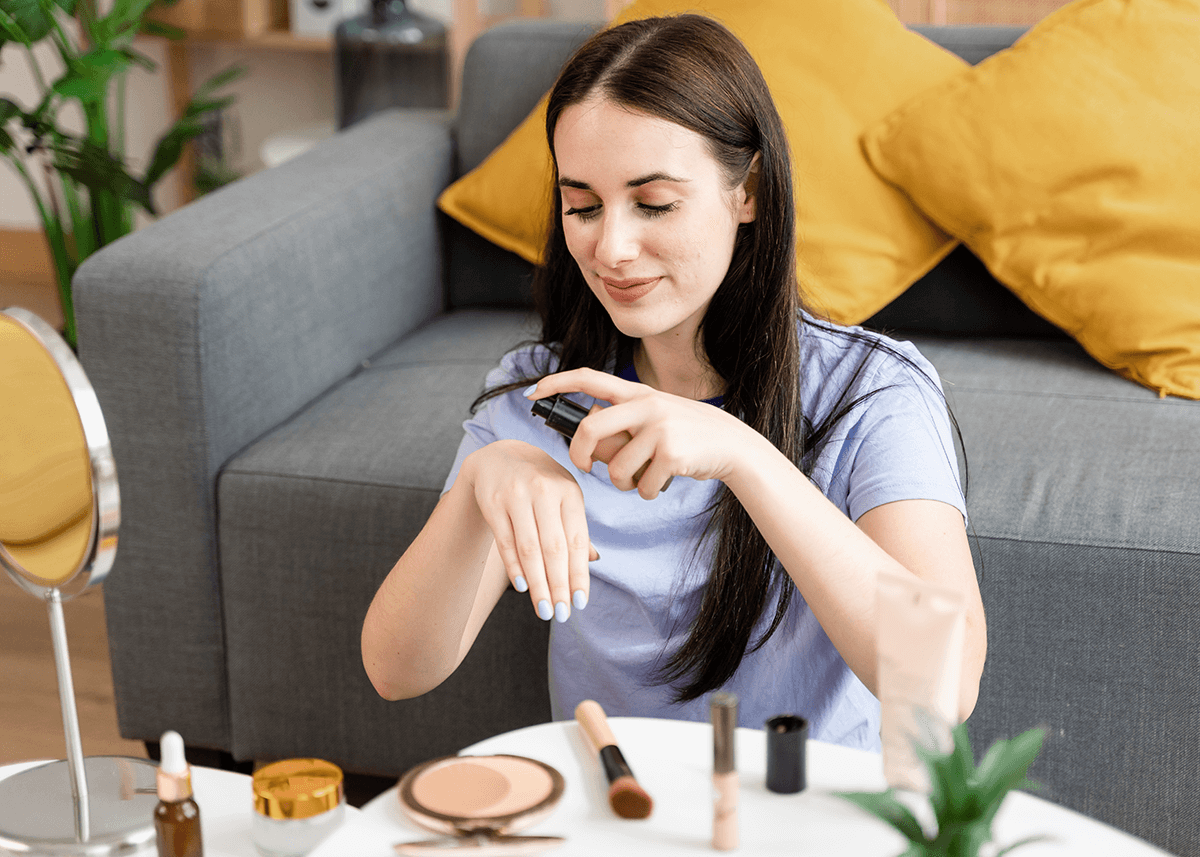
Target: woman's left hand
x,y
647,436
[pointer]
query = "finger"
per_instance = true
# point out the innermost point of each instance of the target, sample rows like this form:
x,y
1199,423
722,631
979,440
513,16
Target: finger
x,y
527,552
598,385
557,543
653,478
629,466
581,552
603,448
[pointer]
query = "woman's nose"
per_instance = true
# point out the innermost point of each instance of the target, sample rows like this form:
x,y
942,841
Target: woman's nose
x,y
617,242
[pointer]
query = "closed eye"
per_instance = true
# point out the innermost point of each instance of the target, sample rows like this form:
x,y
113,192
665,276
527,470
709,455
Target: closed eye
x,y
590,212
657,210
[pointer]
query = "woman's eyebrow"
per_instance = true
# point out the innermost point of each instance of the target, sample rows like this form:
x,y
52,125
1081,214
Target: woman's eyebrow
x,y
565,181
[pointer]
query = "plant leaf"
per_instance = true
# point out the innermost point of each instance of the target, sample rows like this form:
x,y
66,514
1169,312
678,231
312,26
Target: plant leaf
x,y
139,58
1007,769
88,77
883,805
28,21
170,147
8,110
98,170
950,776
157,28
12,29
218,80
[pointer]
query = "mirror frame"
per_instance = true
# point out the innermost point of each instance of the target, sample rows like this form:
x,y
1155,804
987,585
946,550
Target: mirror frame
x,y
98,557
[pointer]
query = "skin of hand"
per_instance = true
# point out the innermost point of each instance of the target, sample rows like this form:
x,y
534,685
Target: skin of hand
x,y
646,436
534,508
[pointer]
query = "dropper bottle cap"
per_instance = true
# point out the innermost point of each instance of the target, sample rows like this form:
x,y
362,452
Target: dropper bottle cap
x,y
174,778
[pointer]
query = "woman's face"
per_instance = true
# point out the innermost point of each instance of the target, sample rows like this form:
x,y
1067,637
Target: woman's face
x,y
648,216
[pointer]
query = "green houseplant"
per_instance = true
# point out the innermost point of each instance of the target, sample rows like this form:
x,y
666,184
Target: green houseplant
x,y
89,194
964,798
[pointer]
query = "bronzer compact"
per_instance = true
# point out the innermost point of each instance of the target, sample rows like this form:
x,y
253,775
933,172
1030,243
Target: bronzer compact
x,y
482,802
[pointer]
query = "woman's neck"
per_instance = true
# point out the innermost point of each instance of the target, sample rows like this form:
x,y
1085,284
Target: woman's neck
x,y
680,371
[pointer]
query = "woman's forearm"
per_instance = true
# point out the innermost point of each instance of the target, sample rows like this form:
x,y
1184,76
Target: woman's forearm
x,y
836,565
413,635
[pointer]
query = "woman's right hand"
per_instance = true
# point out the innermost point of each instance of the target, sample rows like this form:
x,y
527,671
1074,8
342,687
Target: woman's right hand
x,y
534,508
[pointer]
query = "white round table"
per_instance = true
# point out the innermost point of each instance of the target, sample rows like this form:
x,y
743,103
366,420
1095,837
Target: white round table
x,y
226,803
673,762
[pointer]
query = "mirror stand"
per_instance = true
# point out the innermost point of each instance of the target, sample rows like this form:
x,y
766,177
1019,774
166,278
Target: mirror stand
x,y
58,537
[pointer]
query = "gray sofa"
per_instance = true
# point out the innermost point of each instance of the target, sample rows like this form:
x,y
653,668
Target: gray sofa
x,y
285,364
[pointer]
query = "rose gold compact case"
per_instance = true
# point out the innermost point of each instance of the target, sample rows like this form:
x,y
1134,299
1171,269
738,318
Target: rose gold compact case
x,y
481,801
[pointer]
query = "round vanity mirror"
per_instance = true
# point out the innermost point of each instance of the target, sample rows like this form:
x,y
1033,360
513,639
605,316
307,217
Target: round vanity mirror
x,y
59,506
59,513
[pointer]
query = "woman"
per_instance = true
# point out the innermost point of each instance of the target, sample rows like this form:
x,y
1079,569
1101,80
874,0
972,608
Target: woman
x,y
803,459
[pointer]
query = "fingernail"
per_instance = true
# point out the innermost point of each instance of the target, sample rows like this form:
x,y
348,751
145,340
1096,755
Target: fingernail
x,y
579,599
561,612
544,610
529,391
519,583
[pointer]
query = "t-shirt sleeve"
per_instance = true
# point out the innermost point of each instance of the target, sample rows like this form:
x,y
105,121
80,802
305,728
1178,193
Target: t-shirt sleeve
x,y
902,444
481,428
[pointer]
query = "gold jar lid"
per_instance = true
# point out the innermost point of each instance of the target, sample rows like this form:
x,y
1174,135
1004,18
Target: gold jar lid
x,y
297,788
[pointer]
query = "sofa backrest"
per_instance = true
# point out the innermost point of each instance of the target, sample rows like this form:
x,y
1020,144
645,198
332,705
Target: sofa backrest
x,y
510,67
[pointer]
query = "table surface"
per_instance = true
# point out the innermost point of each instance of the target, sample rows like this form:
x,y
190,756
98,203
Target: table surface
x,y
673,762
226,803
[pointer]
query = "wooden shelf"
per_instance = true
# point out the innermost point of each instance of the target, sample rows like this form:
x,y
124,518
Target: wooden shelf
x,y
271,40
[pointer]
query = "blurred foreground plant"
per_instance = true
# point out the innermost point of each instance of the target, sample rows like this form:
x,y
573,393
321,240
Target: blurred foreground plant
x,y
89,194
964,798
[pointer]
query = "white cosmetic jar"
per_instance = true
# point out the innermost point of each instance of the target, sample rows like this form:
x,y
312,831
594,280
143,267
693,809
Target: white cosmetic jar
x,y
297,803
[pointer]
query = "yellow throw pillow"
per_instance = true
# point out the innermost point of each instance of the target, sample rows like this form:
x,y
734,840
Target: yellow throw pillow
x,y
1070,164
834,67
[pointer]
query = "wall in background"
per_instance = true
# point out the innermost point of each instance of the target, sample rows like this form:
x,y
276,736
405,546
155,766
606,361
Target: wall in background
x,y
284,90
288,90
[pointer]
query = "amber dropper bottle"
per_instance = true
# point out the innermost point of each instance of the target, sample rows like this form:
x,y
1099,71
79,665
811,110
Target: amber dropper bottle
x,y
177,817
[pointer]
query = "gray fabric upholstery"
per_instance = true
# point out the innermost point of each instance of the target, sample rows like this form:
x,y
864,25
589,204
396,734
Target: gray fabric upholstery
x,y
1082,499
284,367
314,515
206,329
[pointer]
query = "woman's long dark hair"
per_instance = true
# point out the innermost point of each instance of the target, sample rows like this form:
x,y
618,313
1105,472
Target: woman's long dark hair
x,y
690,70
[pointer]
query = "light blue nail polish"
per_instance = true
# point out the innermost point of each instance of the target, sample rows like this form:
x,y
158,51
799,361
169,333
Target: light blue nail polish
x,y
544,610
529,392
579,599
519,583
561,612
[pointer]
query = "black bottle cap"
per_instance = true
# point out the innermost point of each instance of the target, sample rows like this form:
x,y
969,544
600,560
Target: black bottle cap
x,y
787,736
560,414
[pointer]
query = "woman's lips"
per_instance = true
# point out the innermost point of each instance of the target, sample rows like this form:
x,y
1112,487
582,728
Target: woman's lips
x,y
628,291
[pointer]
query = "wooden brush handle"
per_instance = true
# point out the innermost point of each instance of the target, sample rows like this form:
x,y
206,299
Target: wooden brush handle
x,y
594,724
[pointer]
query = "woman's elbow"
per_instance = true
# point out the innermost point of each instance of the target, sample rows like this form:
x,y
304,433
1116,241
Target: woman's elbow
x,y
393,684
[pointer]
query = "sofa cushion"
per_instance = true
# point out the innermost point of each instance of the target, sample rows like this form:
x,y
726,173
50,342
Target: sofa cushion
x,y
959,296
1068,164
861,242
313,516
506,71
1081,495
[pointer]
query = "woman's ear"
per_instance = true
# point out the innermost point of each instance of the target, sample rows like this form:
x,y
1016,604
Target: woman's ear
x,y
747,212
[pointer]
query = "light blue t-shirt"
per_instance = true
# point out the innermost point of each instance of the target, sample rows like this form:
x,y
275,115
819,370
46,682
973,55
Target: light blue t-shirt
x,y
649,580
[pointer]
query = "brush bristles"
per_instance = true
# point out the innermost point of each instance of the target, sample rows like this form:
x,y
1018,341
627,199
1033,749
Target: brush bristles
x,y
628,799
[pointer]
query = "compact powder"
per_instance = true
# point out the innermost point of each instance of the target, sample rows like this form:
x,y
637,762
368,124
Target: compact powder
x,y
481,787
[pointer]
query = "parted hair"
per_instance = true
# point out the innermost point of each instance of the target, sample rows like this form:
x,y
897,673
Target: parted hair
x,y
692,71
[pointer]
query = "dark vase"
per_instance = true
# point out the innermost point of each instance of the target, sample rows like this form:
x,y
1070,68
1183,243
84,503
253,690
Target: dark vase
x,y
387,57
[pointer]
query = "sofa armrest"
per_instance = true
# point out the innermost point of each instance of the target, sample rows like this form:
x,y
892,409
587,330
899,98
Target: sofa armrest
x,y
209,327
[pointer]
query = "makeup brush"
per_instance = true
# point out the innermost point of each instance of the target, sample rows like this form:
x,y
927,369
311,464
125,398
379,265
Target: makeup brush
x,y
625,796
